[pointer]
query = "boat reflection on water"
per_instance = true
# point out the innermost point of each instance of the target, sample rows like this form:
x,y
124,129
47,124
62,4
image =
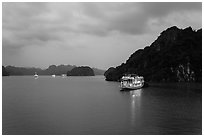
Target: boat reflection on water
x,y
36,75
136,93
135,111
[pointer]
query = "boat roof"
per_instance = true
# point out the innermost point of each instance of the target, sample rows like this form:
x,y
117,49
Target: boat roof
x,y
130,77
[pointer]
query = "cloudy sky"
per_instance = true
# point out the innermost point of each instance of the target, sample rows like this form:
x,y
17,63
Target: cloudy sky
x,y
95,34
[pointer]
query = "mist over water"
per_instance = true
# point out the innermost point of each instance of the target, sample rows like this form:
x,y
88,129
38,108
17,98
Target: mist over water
x,y
91,105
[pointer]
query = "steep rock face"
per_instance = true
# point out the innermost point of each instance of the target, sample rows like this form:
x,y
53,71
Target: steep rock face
x,y
81,71
175,56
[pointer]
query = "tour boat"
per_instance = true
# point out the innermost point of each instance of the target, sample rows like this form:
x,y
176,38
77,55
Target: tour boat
x,y
53,76
131,82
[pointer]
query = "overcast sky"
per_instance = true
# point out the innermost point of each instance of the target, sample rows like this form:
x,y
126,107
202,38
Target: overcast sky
x,y
95,34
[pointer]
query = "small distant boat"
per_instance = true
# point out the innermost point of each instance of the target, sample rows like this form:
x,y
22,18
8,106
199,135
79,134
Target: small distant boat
x,y
53,76
36,75
63,75
131,82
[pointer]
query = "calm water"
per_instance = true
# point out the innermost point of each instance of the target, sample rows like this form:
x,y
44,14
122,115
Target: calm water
x,y
91,105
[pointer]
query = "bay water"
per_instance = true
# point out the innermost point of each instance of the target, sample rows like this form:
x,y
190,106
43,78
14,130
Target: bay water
x,y
93,106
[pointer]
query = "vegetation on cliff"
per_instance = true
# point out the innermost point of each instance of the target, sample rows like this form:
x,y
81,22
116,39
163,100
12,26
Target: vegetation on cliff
x,y
175,56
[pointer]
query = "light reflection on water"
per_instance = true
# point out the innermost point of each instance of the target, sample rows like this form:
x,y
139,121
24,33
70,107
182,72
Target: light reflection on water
x,y
136,96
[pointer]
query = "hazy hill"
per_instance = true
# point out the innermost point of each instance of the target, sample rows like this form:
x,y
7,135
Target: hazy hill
x,y
98,71
12,70
176,55
52,69
58,70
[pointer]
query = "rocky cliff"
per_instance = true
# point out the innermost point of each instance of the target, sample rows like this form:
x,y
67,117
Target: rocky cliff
x,y
175,56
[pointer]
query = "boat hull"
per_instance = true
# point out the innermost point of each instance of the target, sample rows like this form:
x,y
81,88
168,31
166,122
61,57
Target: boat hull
x,y
130,87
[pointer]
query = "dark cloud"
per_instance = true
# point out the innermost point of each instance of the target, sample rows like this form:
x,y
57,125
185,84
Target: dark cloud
x,y
160,9
43,21
69,26
133,18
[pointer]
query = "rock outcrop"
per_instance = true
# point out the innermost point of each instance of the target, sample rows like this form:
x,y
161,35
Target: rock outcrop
x,y
81,71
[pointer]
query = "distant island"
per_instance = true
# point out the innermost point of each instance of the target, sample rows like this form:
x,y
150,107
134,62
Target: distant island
x,y
175,56
81,71
51,70
4,72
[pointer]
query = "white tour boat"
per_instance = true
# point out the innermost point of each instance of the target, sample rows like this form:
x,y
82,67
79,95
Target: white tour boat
x,y
131,82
